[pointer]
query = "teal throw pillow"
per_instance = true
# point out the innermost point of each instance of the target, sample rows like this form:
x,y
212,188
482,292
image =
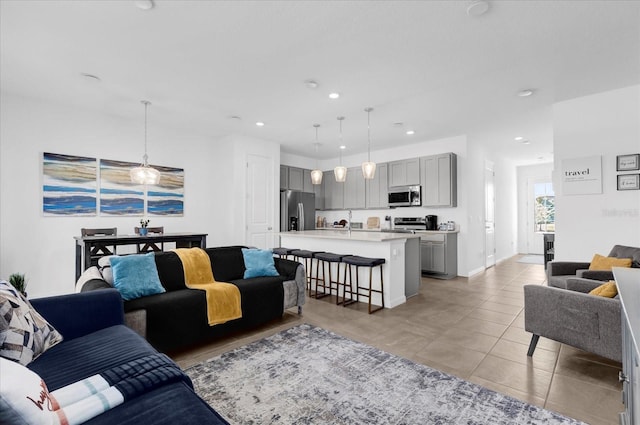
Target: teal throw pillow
x,y
258,263
136,276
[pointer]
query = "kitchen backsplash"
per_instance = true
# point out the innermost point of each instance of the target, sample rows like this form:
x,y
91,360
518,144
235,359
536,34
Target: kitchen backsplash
x,y
361,216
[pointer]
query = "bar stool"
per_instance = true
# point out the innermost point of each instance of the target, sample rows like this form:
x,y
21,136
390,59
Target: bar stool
x,y
357,262
308,257
326,258
283,252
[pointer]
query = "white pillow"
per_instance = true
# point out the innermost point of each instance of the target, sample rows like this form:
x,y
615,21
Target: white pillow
x,y
87,275
25,396
105,268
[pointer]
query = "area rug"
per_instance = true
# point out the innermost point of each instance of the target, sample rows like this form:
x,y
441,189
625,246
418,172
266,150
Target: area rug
x,y
308,375
532,259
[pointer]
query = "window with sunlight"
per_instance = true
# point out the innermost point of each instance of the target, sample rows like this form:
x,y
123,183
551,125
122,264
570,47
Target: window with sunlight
x,y
545,207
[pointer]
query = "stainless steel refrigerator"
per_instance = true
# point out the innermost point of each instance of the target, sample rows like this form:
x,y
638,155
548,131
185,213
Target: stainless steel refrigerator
x,y
297,210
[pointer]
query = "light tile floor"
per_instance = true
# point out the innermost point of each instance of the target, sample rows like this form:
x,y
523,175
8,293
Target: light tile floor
x,y
474,329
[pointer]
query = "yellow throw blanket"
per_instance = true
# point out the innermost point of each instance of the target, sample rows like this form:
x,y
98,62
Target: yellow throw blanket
x,y
223,299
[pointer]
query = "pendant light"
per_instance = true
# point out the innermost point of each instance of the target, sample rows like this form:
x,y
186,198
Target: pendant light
x,y
316,175
340,172
144,174
368,168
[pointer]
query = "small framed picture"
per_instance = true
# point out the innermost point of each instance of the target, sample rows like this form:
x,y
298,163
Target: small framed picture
x,y
628,181
628,162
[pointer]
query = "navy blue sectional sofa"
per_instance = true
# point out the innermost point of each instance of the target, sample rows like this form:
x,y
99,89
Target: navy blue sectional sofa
x,y
95,340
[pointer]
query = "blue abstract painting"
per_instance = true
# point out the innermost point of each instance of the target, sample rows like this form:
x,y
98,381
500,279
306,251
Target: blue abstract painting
x,y
118,195
167,197
69,185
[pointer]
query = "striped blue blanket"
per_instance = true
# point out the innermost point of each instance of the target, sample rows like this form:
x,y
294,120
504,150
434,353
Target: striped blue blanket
x,y
78,402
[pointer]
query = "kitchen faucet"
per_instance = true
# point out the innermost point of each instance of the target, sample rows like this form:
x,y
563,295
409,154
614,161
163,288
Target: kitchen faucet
x,y
349,222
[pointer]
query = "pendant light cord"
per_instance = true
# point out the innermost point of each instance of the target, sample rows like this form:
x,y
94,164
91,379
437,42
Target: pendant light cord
x,y
369,133
145,157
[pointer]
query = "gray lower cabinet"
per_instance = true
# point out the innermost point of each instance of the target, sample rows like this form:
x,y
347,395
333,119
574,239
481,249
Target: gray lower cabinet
x,y
404,173
354,189
628,283
377,189
439,254
439,180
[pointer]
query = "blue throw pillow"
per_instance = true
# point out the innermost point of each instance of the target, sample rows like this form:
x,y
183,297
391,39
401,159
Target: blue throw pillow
x,y
258,262
136,276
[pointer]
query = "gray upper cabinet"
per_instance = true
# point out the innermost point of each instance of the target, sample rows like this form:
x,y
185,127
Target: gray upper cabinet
x,y
377,189
354,189
284,177
333,192
296,178
404,173
439,180
306,181
318,189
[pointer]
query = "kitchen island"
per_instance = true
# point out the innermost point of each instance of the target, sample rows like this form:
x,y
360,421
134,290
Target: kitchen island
x,y
401,251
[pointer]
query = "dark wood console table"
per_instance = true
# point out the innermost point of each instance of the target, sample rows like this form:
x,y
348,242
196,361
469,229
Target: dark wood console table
x,y
84,244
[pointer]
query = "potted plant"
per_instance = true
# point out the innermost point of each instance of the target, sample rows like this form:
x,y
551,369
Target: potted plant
x,y
19,282
144,222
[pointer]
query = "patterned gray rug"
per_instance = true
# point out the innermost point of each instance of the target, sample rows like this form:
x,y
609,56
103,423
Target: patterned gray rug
x,y
308,375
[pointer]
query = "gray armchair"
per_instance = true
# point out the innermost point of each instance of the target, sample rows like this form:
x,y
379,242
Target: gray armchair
x,y
558,272
573,317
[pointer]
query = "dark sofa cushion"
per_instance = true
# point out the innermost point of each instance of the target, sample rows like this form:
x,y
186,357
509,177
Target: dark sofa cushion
x,y
179,318
227,263
170,271
87,355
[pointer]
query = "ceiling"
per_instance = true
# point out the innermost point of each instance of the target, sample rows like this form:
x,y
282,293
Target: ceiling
x,y
425,64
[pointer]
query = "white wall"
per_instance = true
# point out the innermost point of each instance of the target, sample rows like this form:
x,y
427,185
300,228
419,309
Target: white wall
x,y
524,174
606,124
43,247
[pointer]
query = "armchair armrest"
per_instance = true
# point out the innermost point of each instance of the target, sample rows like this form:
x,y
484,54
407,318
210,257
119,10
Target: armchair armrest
x,y
603,275
585,321
561,268
80,314
582,285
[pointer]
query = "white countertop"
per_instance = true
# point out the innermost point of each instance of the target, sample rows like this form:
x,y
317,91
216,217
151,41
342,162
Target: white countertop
x,y
353,236
418,232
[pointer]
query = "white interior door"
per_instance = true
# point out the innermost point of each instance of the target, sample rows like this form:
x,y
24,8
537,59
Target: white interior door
x,y
489,220
260,202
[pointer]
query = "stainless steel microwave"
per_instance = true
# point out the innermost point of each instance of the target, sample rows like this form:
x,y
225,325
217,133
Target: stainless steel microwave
x,y
405,196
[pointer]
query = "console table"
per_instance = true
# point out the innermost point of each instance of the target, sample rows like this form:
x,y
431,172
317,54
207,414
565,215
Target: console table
x,y
84,244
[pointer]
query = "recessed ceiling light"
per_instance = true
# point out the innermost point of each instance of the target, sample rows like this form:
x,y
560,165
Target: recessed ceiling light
x,y
518,139
526,142
525,93
334,95
398,124
478,8
410,132
90,76
235,117
144,4
260,124
311,84
343,147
